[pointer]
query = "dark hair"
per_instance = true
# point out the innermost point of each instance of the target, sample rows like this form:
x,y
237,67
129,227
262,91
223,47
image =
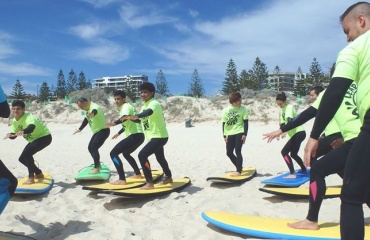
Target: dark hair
x,y
82,100
281,96
147,86
119,93
353,6
18,103
234,96
317,89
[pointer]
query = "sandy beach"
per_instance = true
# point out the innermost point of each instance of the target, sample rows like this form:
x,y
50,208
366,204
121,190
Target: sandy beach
x,y
68,212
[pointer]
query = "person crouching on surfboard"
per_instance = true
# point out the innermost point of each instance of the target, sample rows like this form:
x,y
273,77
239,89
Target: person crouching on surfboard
x,y
35,132
235,129
296,135
6,177
96,120
134,138
155,130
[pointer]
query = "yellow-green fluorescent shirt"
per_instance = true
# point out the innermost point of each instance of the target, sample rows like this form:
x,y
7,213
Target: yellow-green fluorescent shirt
x,y
154,125
129,126
40,128
234,117
98,121
353,63
347,117
288,111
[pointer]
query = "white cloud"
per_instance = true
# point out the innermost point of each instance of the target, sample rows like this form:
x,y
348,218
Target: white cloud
x,y
193,13
87,31
183,28
6,48
285,33
105,52
23,69
142,16
100,3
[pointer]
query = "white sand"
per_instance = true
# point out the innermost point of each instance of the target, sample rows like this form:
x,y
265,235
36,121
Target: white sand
x,y
68,212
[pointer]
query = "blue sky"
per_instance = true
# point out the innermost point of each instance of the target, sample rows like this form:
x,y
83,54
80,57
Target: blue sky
x,y
123,37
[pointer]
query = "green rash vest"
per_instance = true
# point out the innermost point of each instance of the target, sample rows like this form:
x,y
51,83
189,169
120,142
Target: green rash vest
x,y
98,121
40,128
130,127
332,126
234,117
154,125
288,111
347,117
353,63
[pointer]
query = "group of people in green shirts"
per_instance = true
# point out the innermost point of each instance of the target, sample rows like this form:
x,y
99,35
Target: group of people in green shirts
x,y
341,112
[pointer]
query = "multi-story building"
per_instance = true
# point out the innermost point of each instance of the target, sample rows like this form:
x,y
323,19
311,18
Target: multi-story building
x,y
121,83
284,81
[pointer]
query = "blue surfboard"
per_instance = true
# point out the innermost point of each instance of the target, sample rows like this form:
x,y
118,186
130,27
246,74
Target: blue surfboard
x,y
302,177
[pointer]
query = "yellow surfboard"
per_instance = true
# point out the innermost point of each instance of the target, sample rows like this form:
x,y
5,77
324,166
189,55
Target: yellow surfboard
x,y
159,189
247,174
41,185
271,228
331,192
131,183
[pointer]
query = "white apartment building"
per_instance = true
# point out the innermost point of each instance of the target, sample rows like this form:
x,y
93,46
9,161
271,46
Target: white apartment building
x,y
121,83
284,81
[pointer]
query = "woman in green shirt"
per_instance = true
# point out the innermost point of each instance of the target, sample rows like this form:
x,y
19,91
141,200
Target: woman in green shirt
x,y
296,135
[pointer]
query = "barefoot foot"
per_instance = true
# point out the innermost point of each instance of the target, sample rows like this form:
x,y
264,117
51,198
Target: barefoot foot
x,y
147,186
39,175
29,181
119,182
167,180
94,171
291,176
235,174
304,224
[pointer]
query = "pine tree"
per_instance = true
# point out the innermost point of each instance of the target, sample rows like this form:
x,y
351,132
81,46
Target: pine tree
x,y
18,90
161,86
82,84
316,74
196,88
89,84
60,91
243,79
258,74
130,91
276,75
231,82
71,82
44,93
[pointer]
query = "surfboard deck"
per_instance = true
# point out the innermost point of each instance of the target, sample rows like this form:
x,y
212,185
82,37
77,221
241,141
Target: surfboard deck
x,y
84,174
331,192
159,189
41,185
271,228
302,177
247,174
131,183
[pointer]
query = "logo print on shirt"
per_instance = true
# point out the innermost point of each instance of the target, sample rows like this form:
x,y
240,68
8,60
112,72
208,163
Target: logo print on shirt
x,y
146,124
350,100
232,118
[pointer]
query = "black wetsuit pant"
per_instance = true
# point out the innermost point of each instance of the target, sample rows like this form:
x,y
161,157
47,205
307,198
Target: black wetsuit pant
x,y
155,145
325,145
331,163
356,185
126,147
31,149
97,140
292,147
235,142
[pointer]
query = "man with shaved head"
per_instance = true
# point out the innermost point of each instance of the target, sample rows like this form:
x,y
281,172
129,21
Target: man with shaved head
x,y
353,64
